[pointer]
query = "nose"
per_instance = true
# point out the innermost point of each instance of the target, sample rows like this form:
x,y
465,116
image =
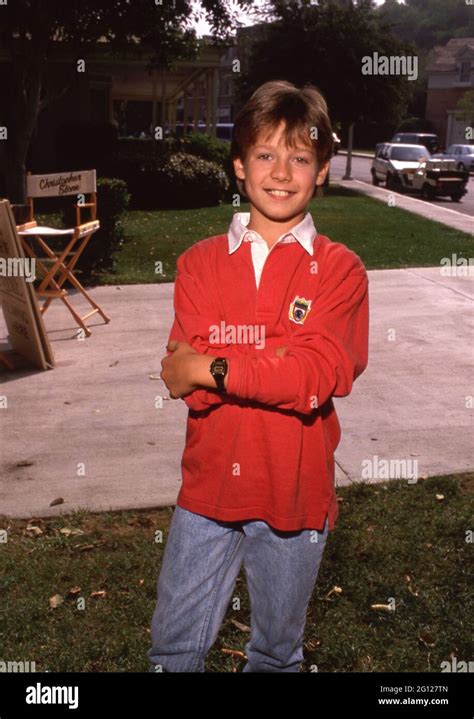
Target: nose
x,y
281,171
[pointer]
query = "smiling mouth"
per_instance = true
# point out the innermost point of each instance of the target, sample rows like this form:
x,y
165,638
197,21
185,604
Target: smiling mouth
x,y
279,193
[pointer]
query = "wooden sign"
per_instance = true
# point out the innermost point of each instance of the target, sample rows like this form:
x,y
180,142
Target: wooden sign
x,y
61,183
27,333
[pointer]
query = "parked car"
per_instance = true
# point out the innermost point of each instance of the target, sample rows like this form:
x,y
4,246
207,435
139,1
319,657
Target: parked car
x,y
336,143
428,139
390,159
436,177
463,154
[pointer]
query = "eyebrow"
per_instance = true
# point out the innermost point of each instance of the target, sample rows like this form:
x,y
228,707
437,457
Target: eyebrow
x,y
298,149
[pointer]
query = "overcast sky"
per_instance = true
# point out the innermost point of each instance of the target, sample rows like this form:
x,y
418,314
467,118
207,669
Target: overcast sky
x,y
204,29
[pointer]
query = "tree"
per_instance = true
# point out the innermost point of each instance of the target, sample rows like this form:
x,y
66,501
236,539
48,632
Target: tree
x,y
427,23
465,111
30,30
328,53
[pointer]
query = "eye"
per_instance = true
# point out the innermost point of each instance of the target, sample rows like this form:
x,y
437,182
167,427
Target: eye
x,y
266,154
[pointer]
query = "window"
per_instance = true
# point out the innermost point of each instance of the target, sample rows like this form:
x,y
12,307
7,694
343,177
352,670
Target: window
x,y
133,117
409,154
465,73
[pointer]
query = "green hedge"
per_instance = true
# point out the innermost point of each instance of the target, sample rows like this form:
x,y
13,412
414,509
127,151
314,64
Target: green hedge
x,y
157,181
112,201
174,181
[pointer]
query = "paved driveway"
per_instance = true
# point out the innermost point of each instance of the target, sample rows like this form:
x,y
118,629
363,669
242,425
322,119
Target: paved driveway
x,y
90,433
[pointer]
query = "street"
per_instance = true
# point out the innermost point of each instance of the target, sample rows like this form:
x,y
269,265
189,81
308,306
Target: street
x,y
361,171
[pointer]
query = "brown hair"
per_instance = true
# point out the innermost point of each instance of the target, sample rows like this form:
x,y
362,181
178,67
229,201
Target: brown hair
x,y
278,100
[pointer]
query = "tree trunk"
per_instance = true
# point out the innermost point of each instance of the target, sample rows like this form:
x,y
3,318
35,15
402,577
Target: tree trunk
x,y
24,105
350,138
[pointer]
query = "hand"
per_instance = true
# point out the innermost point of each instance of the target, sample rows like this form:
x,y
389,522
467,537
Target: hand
x,y
177,369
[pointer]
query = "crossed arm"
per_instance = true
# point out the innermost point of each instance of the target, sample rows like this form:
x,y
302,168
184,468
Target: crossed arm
x,y
187,370
322,358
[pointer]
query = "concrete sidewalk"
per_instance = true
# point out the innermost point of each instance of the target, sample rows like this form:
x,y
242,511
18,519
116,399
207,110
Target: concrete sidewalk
x,y
452,218
96,409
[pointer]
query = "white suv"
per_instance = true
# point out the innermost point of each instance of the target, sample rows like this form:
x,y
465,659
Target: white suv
x,y
390,159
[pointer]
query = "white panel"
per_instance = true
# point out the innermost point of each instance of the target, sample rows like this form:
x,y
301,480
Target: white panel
x,y
61,184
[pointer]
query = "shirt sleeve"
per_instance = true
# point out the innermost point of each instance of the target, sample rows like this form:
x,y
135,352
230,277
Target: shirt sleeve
x,y
325,354
195,313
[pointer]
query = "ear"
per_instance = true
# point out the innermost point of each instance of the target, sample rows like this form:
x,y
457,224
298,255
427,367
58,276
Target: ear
x,y
239,168
322,172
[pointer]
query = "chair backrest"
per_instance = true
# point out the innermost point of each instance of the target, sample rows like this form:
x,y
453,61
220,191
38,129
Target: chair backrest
x,y
60,184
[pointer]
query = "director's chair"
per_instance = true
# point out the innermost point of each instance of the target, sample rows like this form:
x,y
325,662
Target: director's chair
x,y
51,287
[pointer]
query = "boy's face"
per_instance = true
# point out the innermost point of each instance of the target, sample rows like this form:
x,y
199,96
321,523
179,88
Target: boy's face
x,y
271,166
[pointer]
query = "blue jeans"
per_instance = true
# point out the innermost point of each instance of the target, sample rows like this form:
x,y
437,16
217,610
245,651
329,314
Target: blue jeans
x,y
201,562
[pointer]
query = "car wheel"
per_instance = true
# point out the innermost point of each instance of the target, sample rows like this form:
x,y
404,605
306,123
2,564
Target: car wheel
x,y
375,180
394,183
456,196
427,192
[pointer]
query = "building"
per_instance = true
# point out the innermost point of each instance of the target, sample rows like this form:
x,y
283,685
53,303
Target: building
x,y
450,72
123,92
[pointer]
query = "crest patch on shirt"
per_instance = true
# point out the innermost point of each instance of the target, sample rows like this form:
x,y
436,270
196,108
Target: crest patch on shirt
x,y
299,310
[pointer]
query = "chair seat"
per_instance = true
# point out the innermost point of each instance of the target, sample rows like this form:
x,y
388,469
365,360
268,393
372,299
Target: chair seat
x,y
54,232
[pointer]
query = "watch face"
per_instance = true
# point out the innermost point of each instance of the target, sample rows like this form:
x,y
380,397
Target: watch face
x,y
219,367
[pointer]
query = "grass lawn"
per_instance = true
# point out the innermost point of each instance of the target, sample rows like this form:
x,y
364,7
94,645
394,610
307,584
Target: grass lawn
x,y
400,540
384,237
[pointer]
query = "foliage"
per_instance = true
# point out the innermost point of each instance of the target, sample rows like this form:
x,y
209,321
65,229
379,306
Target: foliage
x,y
31,31
415,124
84,146
329,54
426,23
465,107
100,253
184,181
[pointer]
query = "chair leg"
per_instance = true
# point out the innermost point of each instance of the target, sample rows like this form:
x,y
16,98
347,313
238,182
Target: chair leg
x,y
77,317
60,265
68,274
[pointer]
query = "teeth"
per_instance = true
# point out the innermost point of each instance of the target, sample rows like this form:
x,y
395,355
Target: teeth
x,y
279,193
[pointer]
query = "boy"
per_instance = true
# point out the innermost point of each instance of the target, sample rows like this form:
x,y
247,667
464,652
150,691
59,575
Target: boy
x,y
271,322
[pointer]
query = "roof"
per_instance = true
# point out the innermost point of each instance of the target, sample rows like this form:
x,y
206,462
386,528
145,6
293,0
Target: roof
x,y
403,144
443,58
414,132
